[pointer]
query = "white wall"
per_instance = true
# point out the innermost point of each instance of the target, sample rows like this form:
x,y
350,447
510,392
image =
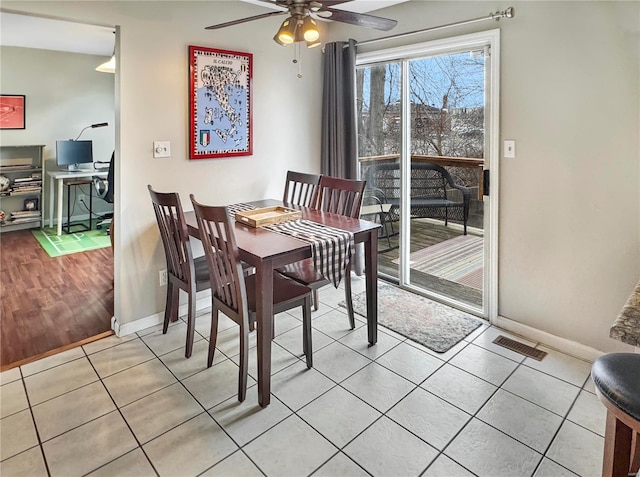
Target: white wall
x,y
151,102
63,94
570,203
569,220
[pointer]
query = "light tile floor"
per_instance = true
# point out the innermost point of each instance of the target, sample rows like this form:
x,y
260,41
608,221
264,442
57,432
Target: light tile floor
x,y
134,406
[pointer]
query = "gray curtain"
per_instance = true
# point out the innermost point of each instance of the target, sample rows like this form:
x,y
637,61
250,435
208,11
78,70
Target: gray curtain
x,y
339,147
339,151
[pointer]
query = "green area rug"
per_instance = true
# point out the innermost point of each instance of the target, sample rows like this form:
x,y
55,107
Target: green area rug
x,y
432,324
65,244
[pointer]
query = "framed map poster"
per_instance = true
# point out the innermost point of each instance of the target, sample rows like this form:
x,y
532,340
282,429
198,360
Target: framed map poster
x,y
220,121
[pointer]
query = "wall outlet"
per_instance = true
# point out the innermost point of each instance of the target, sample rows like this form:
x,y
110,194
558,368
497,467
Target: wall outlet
x,y
163,278
81,198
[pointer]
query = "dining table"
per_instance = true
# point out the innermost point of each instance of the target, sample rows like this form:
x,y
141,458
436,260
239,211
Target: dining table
x,y
267,250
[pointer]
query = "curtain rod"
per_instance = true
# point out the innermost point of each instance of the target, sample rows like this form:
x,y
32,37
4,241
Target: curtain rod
x,y
508,13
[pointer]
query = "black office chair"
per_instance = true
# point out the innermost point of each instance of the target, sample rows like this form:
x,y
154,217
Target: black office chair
x,y
104,188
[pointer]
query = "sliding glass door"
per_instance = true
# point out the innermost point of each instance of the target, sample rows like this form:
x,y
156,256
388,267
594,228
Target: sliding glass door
x,y
425,116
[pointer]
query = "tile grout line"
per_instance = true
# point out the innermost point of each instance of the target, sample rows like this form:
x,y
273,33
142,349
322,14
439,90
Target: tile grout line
x,y
35,426
336,384
141,338
158,358
498,388
123,418
382,413
207,411
472,416
475,414
564,420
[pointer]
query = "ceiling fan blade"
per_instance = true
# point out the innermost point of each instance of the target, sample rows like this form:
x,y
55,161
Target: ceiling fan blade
x,y
360,19
311,4
330,3
243,20
277,3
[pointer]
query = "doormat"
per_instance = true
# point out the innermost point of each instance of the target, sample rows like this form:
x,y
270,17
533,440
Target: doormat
x,y
459,260
65,244
432,324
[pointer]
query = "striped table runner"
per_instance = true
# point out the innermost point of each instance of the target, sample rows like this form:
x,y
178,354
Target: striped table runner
x,y
233,209
331,248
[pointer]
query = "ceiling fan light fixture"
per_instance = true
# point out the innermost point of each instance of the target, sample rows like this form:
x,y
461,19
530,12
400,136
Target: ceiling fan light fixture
x,y
286,33
310,30
277,40
299,36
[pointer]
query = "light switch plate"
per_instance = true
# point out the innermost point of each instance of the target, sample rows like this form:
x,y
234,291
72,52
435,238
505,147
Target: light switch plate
x,y
161,149
509,148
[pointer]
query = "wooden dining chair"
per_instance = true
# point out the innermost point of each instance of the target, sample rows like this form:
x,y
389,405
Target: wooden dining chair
x,y
235,294
183,271
300,188
338,196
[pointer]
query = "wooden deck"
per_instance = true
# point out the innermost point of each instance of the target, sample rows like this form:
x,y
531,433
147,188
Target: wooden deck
x,y
425,233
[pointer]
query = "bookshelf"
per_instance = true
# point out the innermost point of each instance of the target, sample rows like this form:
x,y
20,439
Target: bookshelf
x,y
21,179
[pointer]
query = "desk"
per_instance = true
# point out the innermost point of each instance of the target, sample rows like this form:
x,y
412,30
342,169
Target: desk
x,y
60,176
267,250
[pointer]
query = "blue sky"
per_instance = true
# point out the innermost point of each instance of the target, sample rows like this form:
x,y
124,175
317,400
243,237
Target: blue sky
x,y
433,77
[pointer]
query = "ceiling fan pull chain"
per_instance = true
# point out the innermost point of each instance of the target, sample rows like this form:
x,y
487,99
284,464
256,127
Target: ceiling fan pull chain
x,y
296,55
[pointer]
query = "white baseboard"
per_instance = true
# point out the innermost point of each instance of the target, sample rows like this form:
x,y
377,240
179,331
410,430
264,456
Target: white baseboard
x,y
569,347
155,319
97,215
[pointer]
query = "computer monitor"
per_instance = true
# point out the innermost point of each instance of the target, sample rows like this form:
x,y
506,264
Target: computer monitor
x,y
70,154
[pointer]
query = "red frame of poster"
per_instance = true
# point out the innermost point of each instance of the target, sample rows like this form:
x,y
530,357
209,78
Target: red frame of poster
x,y
10,104
194,52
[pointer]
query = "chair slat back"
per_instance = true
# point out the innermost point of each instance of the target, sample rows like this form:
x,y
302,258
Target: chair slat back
x,y
339,196
221,251
300,188
174,234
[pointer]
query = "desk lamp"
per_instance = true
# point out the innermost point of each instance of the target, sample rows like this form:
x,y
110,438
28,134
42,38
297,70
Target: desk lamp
x,y
97,125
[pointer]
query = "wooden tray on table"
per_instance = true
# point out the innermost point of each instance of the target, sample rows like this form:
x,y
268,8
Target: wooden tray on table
x,y
267,216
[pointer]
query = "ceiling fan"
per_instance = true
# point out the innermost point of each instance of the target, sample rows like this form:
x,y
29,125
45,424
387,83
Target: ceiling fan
x,y
300,25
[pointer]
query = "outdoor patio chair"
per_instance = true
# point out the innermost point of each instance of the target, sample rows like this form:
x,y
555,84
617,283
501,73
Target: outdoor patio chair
x,y
375,210
434,193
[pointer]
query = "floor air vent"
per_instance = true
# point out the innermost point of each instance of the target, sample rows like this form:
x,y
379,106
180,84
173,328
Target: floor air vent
x,y
521,348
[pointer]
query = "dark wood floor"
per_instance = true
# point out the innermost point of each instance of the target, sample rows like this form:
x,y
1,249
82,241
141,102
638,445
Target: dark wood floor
x,y
48,304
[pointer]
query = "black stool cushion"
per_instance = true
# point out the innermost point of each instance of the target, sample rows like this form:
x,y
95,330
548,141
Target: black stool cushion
x,y
617,377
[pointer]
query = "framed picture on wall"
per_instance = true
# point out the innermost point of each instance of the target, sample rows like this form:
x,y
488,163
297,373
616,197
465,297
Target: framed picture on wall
x,y
31,204
12,111
220,99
